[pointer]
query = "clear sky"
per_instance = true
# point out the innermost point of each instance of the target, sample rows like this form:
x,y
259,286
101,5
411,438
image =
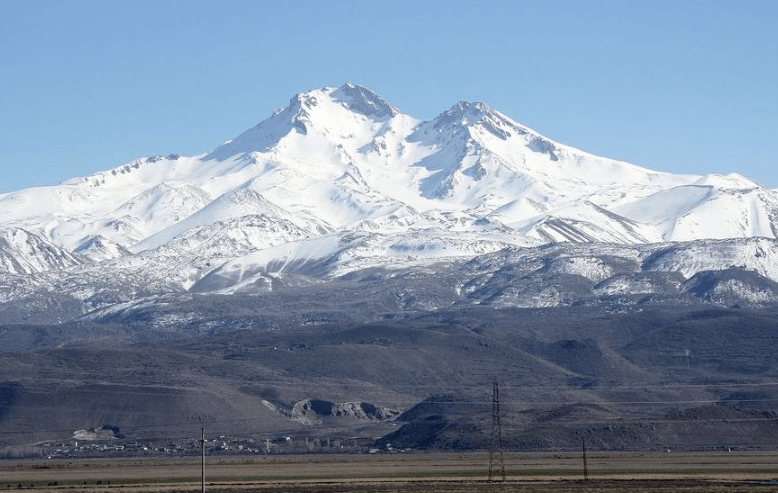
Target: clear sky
x,y
686,86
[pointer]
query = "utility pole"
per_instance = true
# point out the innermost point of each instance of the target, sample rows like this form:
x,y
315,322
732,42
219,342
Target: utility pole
x,y
202,446
496,447
586,468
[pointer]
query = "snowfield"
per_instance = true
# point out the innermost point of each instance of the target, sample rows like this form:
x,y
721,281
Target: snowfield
x,y
340,181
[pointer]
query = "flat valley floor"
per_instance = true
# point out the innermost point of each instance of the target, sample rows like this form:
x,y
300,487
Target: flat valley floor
x,y
421,473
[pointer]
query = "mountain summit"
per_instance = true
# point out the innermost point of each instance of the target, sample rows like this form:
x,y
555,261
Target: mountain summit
x,y
340,180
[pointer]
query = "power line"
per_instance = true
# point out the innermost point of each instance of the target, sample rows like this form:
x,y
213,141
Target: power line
x,y
523,387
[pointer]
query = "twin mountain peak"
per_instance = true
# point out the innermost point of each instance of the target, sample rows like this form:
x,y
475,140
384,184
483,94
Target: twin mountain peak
x,y
339,165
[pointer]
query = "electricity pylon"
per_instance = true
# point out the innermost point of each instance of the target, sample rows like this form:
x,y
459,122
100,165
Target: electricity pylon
x,y
495,452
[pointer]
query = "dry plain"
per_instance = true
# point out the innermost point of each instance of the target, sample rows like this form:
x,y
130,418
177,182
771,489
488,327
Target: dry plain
x,y
558,472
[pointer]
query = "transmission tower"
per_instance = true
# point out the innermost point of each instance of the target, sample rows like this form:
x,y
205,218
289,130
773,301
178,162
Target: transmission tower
x,y
495,452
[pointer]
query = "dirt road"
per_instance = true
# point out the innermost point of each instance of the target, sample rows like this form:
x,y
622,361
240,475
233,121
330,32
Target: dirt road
x,y
735,472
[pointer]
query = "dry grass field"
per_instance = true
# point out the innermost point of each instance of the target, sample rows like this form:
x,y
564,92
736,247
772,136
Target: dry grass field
x,y
637,472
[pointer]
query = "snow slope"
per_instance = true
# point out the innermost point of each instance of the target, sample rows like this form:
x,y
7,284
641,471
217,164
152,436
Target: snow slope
x,y
341,180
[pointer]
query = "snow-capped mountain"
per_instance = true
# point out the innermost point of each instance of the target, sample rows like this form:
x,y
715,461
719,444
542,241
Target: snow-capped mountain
x,y
341,180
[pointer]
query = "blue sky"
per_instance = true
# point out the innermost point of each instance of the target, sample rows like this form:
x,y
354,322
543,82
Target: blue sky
x,y
681,86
